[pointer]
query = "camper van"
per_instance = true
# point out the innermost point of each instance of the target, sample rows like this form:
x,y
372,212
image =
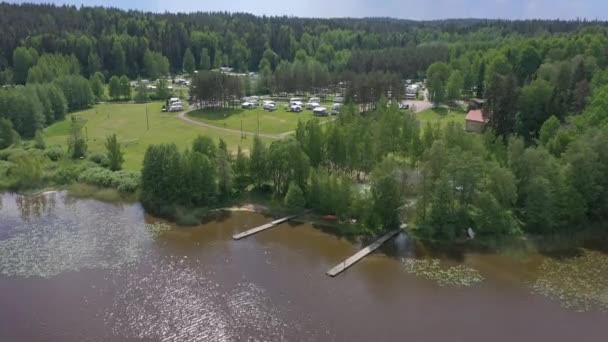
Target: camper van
x,y
335,108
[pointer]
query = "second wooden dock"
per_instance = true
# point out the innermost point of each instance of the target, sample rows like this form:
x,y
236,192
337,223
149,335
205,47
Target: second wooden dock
x,y
361,254
261,228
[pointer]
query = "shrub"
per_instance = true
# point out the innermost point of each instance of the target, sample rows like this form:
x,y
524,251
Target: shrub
x,y
99,159
39,142
69,174
294,200
124,181
55,153
12,154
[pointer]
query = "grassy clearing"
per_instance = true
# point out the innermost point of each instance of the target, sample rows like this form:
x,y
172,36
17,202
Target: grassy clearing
x,y
128,121
441,115
279,121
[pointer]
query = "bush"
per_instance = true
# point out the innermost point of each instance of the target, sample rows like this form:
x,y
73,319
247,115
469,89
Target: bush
x,y
124,181
99,159
55,153
12,154
294,200
69,174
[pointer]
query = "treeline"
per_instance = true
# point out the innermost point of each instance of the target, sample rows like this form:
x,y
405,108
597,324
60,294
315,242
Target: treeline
x,y
131,43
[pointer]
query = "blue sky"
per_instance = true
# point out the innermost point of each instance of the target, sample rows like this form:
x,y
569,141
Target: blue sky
x,y
410,9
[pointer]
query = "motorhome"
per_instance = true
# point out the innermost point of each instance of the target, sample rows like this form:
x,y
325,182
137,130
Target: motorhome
x,y
335,108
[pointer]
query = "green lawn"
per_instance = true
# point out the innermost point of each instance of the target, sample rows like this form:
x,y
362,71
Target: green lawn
x,y
441,115
279,121
128,121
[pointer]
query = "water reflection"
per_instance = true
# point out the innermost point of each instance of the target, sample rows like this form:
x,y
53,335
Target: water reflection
x,y
74,270
33,207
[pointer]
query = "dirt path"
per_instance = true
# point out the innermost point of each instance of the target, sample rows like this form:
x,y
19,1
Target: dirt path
x,y
182,116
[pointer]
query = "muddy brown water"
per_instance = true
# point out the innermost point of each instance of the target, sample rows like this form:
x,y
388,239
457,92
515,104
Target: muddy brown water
x,y
83,270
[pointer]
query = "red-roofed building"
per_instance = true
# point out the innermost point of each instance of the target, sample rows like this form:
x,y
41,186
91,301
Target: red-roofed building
x,y
475,121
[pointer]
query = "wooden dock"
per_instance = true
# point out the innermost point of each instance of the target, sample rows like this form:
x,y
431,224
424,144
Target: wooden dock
x,y
262,228
361,254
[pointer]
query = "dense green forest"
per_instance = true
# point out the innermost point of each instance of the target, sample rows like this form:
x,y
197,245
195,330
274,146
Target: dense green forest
x,y
540,167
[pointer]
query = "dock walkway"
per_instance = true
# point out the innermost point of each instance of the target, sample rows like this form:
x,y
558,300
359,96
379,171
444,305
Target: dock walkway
x,y
262,228
361,254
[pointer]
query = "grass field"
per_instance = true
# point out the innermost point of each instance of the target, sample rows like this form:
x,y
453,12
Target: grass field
x,y
128,121
441,115
278,121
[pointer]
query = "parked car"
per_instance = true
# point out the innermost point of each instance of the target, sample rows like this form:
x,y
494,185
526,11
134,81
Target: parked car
x,y
320,111
269,106
248,105
338,99
176,107
295,108
312,105
404,106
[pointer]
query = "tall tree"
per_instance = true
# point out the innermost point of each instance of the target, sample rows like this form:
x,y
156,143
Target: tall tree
x,y
114,154
119,66
23,59
455,85
205,60
189,64
114,88
258,162
437,77
501,107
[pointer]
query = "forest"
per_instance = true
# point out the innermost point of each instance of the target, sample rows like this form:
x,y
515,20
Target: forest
x,y
539,168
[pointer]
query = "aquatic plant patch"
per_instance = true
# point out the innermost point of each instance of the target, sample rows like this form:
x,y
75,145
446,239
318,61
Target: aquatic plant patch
x,y
458,276
579,283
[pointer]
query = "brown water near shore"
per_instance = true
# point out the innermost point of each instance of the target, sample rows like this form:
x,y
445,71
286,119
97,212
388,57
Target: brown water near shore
x,y
83,270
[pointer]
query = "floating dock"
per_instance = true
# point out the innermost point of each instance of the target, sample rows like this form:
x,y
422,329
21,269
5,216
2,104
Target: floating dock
x,y
361,254
262,228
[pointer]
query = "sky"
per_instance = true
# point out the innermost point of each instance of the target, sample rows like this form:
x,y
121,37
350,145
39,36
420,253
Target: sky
x,y
407,9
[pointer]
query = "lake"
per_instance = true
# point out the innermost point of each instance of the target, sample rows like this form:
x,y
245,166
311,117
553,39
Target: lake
x,y
83,270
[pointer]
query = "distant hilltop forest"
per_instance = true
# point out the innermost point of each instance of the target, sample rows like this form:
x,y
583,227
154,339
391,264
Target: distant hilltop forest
x,y
99,36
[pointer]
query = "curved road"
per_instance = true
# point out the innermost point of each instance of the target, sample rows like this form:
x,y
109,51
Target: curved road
x,y
182,116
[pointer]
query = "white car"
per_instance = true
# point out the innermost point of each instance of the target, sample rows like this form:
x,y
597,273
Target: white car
x,y
320,111
338,99
312,105
295,108
176,108
269,106
248,105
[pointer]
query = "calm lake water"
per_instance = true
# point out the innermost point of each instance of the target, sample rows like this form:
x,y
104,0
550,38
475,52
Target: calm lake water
x,y
82,270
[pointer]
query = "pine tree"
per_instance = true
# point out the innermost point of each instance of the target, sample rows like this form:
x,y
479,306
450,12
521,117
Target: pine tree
x,y
189,64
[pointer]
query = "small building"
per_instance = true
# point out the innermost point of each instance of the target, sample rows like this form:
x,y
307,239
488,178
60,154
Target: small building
x,y
475,121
